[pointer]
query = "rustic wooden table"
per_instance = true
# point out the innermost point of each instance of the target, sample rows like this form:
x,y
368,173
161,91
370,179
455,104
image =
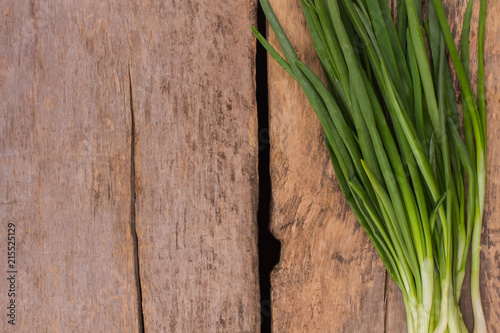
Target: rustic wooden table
x,y
128,165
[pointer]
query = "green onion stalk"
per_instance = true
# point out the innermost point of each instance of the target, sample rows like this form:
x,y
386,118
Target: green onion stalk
x,y
415,182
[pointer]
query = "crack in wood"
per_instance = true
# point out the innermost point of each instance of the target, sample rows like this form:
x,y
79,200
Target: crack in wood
x,y
132,207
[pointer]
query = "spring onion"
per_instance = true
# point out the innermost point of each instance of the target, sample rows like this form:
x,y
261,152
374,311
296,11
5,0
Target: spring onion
x,y
392,128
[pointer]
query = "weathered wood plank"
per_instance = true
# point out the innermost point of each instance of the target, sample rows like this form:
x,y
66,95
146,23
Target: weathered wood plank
x,y
192,74
490,269
320,283
328,279
65,166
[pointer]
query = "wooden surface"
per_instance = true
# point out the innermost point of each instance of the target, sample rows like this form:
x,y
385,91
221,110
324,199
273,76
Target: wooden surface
x,y
490,273
125,126
128,163
65,167
329,278
196,165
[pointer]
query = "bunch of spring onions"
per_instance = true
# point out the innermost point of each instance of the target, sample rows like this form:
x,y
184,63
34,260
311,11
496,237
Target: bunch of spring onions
x,y
391,124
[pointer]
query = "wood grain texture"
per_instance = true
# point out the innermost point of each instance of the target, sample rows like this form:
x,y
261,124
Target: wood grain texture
x,y
490,269
65,166
192,74
329,278
122,119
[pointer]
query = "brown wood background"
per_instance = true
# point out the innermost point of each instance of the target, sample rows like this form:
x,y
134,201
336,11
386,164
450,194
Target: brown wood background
x,y
128,163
